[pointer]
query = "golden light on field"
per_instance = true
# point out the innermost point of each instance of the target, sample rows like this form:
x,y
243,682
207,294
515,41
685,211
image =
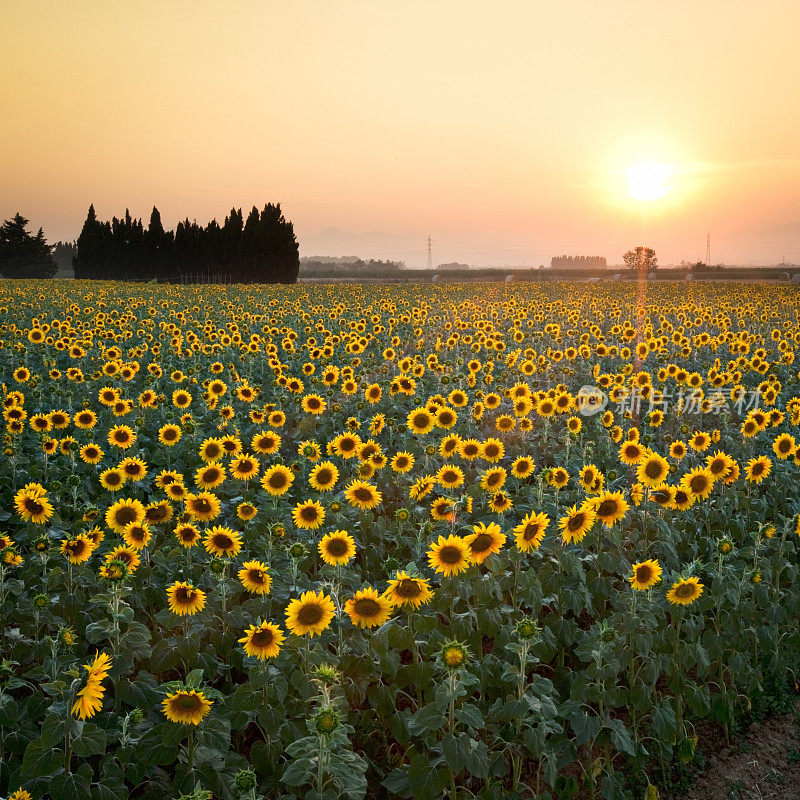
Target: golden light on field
x,y
648,181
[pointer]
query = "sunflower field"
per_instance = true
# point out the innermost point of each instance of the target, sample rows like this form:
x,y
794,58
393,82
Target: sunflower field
x,y
495,541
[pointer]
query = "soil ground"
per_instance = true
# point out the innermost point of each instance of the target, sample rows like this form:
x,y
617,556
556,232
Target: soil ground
x,y
764,764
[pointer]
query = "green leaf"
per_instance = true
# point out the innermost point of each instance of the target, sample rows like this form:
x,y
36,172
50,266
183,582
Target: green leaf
x,y
40,760
470,715
91,741
297,773
164,657
427,719
453,752
664,722
425,780
73,786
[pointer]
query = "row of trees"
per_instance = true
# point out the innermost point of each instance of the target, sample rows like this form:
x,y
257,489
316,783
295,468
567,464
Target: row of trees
x,y
578,262
23,255
261,249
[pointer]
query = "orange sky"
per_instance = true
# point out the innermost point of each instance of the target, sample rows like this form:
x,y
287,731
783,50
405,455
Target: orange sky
x,y
504,130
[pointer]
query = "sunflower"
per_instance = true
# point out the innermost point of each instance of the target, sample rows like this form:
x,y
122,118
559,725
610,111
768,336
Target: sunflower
x,y
323,476
32,504
308,515
450,476
137,535
576,523
313,404
310,614
184,598
337,548
610,508
558,477
442,509
645,574
402,462
277,480
244,467
485,540
169,435
346,445
522,467
203,506
187,535
255,577
223,542
449,556
699,482
408,590
127,555
210,476
499,502
89,699
121,436
492,450
123,513
263,641
652,469
757,469
719,464
631,453
368,609
685,591
186,706
211,450
134,469
91,454
469,449
445,418
784,446
420,421
246,511
77,550
528,535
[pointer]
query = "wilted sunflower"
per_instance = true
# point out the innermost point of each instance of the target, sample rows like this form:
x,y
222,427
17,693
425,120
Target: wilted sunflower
x,y
363,495
323,476
368,609
310,614
223,542
528,535
645,574
685,591
484,540
184,598
255,577
263,641
576,523
186,707
123,513
337,548
408,590
308,515
449,556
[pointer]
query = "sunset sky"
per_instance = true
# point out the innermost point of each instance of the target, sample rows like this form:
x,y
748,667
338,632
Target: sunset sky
x,y
508,131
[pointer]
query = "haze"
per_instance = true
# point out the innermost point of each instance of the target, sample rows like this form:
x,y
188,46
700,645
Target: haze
x,y
506,131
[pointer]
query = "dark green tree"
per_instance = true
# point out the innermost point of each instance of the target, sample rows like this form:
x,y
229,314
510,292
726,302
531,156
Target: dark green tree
x,y
23,255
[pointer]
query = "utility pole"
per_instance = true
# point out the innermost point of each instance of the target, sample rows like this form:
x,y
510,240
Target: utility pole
x,y
430,257
708,249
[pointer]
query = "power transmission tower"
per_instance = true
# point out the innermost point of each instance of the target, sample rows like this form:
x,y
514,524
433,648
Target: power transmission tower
x,y
430,257
708,249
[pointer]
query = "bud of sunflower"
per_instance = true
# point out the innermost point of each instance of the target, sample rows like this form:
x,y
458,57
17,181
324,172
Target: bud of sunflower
x,y
527,629
217,566
327,673
297,551
189,427
67,637
335,507
136,716
279,530
326,721
41,601
401,514
453,656
73,481
244,780
6,672
725,546
115,571
56,486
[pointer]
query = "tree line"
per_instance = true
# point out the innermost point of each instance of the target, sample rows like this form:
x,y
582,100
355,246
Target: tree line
x,y
260,249
578,262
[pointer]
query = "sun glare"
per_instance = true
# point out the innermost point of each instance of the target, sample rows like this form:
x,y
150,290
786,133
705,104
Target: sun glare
x,y
648,181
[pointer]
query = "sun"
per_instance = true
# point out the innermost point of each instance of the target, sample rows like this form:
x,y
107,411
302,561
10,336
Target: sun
x,y
648,181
